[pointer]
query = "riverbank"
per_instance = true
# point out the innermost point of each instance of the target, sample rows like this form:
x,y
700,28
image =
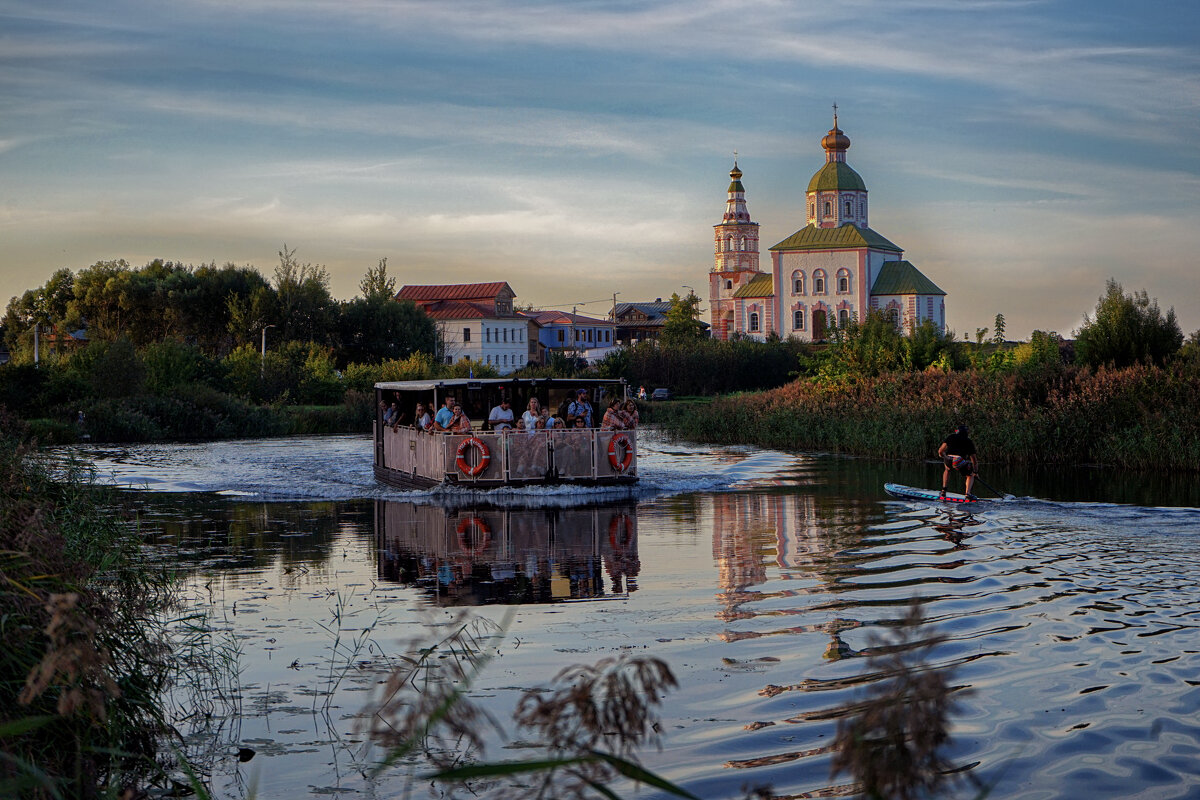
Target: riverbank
x,y
1138,417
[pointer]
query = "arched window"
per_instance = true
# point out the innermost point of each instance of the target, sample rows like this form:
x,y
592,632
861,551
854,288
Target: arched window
x,y
812,211
848,213
819,284
798,319
828,208
797,283
753,321
843,317
893,314
843,283
728,243
728,284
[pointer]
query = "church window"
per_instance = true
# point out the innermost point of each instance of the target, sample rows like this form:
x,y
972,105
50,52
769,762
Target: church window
x,y
862,208
728,284
894,316
753,321
843,284
848,213
828,208
797,283
798,319
729,243
812,210
819,285
742,243
843,318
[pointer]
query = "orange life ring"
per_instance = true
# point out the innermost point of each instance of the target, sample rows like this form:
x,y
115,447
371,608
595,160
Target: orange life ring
x,y
476,524
620,465
485,457
620,536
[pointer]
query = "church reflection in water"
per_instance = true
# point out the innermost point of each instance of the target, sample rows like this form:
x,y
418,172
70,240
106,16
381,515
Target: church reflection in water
x,y
486,554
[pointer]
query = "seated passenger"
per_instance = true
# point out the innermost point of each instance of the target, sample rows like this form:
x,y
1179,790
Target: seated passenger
x,y
390,416
580,424
613,417
501,417
459,422
423,421
550,421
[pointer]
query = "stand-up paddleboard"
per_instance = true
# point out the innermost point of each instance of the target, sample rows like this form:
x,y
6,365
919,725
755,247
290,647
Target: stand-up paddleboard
x,y
933,495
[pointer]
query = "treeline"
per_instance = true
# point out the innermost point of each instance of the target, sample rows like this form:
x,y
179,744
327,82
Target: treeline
x,y
217,310
1122,393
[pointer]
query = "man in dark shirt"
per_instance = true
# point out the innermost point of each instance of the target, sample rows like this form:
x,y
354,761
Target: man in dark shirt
x,y
957,452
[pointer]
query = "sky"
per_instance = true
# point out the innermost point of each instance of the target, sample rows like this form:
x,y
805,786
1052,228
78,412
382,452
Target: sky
x,y
1021,152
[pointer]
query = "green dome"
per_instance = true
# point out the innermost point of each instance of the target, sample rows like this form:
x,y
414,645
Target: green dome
x,y
835,176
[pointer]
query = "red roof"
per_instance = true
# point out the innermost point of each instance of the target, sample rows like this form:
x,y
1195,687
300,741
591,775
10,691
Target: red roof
x,y
443,309
456,291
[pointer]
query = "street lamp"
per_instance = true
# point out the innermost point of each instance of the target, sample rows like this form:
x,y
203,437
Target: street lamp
x,y
263,368
691,291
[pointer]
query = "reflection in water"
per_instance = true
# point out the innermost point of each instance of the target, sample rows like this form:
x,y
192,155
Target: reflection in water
x,y
484,555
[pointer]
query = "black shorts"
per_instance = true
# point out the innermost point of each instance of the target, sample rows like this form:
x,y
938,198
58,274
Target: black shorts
x,y
960,464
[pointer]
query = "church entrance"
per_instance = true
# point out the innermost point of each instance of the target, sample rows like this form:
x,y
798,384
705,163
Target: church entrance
x,y
818,326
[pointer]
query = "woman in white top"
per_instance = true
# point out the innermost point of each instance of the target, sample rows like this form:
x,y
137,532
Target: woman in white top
x,y
531,415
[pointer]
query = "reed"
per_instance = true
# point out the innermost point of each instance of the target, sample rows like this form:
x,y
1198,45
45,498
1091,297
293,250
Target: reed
x,y
1130,417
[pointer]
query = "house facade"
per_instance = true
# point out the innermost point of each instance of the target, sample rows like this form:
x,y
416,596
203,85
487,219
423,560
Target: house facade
x,y
574,333
834,269
476,321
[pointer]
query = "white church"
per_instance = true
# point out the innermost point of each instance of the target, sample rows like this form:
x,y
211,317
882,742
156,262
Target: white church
x,y
832,270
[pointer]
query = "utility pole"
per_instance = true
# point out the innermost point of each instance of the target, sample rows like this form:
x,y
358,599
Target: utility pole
x,y
614,319
36,326
262,371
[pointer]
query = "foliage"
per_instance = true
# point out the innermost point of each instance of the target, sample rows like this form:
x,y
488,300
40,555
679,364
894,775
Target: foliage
x,y
467,368
891,742
85,659
113,369
683,320
1048,413
379,328
376,285
171,363
307,313
710,366
1127,329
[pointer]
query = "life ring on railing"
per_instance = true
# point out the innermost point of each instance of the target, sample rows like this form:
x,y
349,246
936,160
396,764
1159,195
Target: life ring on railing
x,y
620,464
620,536
473,524
485,457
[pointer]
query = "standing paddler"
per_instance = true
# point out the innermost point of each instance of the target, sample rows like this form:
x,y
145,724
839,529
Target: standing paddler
x,y
957,452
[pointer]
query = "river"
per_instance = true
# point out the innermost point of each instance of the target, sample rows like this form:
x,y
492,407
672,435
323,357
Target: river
x,y
762,578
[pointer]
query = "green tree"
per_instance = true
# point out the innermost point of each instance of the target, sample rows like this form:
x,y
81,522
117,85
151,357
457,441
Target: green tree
x,y
45,306
379,328
307,313
376,284
1127,329
683,320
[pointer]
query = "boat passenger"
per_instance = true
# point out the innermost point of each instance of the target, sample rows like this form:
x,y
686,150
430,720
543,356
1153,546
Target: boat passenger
x,y
581,408
630,413
531,416
580,423
441,421
459,423
613,417
501,418
423,421
389,416
550,421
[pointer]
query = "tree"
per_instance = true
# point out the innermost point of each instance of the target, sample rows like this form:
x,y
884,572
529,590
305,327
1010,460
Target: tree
x,y
380,328
376,284
1127,329
683,320
307,313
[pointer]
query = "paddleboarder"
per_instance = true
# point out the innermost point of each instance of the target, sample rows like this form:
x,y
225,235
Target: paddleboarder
x,y
957,452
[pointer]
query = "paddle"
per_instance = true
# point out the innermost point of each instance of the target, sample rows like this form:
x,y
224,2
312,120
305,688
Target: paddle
x,y
1004,495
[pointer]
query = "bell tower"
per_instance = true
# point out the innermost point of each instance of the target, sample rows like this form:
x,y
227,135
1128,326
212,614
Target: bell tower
x,y
735,255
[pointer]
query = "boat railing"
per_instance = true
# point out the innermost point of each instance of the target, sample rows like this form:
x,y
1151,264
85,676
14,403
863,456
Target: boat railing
x,y
512,456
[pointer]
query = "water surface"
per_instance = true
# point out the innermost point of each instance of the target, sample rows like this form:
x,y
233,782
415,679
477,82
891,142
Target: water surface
x,y
760,577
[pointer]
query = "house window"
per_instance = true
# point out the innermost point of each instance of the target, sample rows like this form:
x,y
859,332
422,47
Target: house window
x,y
843,317
818,286
589,334
754,321
506,359
608,337
562,336
489,358
798,319
487,334
466,334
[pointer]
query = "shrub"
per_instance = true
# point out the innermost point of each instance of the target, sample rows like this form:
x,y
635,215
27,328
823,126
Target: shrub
x,y
1127,329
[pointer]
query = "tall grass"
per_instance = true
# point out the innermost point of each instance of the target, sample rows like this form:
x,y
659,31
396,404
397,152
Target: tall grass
x,y
1140,417
84,663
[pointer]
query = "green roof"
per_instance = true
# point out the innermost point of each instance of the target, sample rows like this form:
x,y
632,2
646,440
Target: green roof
x,y
901,277
811,237
736,186
836,175
760,286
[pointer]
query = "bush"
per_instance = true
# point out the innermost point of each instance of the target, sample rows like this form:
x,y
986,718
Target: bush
x,y
1127,329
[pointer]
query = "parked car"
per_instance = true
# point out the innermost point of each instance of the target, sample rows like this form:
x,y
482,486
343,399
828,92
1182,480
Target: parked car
x,y
662,393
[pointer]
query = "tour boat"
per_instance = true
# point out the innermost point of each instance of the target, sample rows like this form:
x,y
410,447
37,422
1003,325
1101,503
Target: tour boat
x,y
409,458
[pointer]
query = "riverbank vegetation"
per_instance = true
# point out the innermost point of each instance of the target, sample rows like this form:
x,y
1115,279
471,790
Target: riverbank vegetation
x,y
1124,396
84,661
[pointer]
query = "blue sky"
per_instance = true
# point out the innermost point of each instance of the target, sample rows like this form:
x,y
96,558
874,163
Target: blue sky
x,y
1021,152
